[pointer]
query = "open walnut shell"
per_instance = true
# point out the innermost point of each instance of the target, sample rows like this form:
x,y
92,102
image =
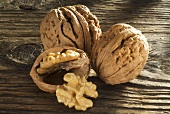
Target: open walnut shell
x,y
51,65
73,26
120,54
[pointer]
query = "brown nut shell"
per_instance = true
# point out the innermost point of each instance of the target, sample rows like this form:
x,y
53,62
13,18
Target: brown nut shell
x,y
120,54
79,67
73,26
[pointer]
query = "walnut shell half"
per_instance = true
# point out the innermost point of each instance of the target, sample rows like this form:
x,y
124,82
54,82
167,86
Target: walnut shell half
x,y
73,26
120,54
51,65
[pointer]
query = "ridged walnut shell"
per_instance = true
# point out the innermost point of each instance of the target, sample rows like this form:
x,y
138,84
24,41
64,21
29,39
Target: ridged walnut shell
x,y
73,26
120,54
79,67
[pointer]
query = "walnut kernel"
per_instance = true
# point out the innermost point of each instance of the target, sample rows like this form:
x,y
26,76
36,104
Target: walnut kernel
x,y
71,94
55,58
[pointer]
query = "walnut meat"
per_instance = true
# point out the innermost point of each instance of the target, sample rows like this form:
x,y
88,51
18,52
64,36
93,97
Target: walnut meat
x,y
72,93
73,26
52,59
120,54
56,60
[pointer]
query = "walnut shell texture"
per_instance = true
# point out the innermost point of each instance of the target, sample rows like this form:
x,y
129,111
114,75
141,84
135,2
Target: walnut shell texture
x,y
79,67
73,26
120,54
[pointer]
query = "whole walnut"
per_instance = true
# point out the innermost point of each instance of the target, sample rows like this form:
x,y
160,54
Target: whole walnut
x,y
120,54
73,26
50,66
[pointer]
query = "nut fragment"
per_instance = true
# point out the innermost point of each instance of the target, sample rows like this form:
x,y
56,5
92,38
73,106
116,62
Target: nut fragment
x,y
73,26
120,54
71,94
56,60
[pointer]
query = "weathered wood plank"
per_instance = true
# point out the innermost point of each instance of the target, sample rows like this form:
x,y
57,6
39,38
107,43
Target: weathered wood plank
x,y
148,93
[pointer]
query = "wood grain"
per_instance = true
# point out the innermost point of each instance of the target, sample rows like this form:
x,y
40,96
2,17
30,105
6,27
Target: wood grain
x,y
148,93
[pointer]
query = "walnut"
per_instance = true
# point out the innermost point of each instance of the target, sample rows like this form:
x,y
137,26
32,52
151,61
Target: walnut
x,y
120,54
72,93
56,60
73,26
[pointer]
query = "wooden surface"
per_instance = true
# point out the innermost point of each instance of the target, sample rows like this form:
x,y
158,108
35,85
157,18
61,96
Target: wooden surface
x,y
20,44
